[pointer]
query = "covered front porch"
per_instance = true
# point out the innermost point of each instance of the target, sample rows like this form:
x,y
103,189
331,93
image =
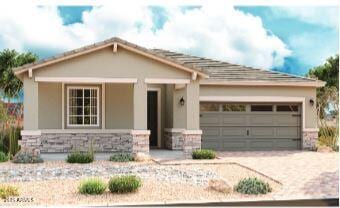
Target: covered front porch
x,y
111,115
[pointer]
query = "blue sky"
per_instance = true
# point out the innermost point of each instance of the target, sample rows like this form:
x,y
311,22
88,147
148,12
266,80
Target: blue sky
x,y
286,27
286,39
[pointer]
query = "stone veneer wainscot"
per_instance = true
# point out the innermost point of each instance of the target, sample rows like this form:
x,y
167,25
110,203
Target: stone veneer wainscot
x,y
60,142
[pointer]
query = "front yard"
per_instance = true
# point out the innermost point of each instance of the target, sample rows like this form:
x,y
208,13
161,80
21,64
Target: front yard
x,y
57,182
290,174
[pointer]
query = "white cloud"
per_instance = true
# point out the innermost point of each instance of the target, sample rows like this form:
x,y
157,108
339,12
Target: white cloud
x,y
220,32
325,16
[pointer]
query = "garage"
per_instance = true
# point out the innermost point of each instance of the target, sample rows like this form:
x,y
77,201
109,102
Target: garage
x,y
250,126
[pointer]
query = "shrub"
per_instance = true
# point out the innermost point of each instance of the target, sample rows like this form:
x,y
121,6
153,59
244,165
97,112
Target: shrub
x,y
121,157
3,157
328,136
80,157
252,186
92,186
124,184
9,140
203,154
26,156
7,191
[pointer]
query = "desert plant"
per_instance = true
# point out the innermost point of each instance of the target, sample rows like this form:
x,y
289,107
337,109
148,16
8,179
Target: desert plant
x,y
203,154
122,157
252,186
3,157
7,191
92,186
124,184
27,156
80,157
328,136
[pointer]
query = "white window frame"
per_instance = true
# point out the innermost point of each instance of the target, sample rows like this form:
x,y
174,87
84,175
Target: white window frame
x,y
68,109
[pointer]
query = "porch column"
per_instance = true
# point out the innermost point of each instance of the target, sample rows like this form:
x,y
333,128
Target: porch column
x,y
31,108
140,91
140,134
31,135
192,134
186,128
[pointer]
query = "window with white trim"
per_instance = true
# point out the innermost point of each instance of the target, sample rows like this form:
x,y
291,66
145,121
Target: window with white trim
x,y
82,106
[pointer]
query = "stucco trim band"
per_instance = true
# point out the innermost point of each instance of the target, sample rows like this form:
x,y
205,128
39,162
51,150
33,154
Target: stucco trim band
x,y
88,80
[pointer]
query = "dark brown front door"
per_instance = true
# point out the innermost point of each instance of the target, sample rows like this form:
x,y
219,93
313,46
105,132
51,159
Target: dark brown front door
x,y
152,117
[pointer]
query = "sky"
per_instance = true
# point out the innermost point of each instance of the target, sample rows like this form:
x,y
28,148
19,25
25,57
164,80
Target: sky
x,y
286,39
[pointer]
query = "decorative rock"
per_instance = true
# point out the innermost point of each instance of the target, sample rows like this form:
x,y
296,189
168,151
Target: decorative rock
x,y
323,148
141,157
220,186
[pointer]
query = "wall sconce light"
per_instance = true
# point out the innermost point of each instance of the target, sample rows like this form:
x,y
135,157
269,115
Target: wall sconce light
x,y
311,101
182,101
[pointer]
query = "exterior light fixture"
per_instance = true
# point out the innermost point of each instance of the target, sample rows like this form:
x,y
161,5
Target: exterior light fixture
x,y
311,101
182,101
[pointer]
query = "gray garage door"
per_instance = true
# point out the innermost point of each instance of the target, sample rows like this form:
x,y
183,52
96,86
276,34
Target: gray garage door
x,y
242,126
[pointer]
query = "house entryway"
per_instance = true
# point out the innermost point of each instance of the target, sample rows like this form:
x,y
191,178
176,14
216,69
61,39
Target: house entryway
x,y
153,117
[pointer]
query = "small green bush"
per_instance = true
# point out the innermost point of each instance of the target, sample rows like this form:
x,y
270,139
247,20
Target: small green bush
x,y
80,157
121,157
3,157
252,186
124,184
27,157
203,154
92,186
7,191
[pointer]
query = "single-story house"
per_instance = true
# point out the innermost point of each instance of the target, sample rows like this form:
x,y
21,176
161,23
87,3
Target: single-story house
x,y
120,97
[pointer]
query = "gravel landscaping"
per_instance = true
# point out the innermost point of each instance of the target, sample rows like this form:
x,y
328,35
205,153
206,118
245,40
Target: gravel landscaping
x,y
172,174
56,182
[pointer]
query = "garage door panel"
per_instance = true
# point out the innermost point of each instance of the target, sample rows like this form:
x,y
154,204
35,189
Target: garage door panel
x,y
234,119
288,120
288,132
234,132
211,119
233,145
215,145
288,144
261,144
267,132
263,120
211,131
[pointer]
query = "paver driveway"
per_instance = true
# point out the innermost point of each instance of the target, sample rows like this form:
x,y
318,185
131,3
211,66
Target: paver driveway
x,y
303,174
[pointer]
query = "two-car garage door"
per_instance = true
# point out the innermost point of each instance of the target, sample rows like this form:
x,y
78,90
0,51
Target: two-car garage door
x,y
250,126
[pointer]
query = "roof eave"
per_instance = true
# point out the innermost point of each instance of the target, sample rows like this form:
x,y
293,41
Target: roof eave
x,y
85,50
263,83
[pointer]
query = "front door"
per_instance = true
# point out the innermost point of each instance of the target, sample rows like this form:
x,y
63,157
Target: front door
x,y
152,117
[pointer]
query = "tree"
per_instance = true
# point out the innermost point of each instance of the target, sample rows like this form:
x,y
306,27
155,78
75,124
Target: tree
x,y
327,96
328,72
10,85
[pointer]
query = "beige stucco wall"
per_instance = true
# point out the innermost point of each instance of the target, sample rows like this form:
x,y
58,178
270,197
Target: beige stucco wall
x,y
105,63
119,106
168,106
306,92
50,105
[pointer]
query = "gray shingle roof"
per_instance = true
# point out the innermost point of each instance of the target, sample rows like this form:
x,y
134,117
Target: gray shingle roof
x,y
218,70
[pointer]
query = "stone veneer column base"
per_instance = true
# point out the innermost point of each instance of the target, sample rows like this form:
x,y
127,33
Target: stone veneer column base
x,y
31,142
173,139
140,141
191,141
309,139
